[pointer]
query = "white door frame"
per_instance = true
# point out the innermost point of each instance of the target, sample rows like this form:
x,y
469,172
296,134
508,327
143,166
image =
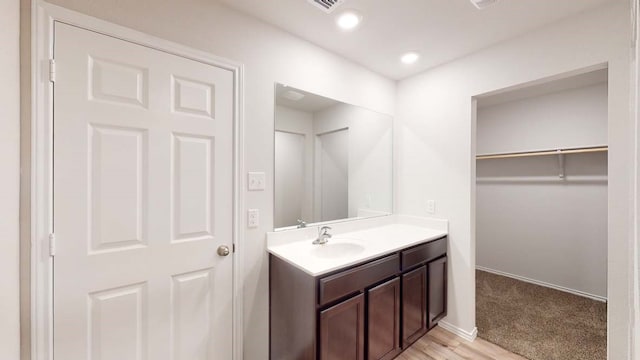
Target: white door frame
x,y
43,17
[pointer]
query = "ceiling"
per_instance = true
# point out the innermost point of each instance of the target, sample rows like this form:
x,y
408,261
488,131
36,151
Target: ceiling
x,y
440,30
545,88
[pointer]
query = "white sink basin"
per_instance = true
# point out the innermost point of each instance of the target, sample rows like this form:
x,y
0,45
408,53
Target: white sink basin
x,y
333,250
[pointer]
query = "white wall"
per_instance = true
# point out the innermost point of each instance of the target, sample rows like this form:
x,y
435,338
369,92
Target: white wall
x,y
635,86
566,119
9,182
529,222
435,144
269,55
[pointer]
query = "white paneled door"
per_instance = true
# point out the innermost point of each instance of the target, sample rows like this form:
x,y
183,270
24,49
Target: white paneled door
x,y
143,201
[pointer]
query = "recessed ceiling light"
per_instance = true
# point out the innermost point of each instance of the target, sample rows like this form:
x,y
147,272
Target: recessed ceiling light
x,y
410,57
348,20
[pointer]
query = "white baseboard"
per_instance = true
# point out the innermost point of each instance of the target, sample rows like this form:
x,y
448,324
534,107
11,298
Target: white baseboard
x,y
469,336
542,283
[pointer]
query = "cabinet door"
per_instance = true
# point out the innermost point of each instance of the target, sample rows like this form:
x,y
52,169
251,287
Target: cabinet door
x,y
437,273
342,330
414,305
383,331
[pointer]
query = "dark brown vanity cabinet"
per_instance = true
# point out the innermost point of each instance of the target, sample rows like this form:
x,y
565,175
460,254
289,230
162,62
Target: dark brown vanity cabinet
x,y
414,305
383,313
424,288
342,330
371,310
437,290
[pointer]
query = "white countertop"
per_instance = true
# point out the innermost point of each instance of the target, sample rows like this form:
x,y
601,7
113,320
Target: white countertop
x,y
357,244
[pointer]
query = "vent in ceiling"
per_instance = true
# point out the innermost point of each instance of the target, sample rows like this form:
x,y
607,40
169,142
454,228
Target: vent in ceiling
x,y
292,95
326,5
481,4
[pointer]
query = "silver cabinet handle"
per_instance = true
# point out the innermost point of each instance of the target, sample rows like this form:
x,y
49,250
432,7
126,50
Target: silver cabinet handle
x,y
223,250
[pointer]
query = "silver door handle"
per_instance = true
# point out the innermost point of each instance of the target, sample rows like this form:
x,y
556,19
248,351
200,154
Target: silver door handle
x,y
223,250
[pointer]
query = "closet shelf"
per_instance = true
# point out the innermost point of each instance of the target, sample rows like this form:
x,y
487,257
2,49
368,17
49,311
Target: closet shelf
x,y
544,153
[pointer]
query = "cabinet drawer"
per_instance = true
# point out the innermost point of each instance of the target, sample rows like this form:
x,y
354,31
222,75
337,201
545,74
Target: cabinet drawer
x,y
424,253
344,283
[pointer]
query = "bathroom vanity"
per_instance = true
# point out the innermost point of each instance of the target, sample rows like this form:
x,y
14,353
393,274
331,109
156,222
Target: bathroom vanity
x,y
367,294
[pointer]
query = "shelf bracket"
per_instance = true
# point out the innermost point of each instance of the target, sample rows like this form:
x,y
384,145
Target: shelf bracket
x,y
560,164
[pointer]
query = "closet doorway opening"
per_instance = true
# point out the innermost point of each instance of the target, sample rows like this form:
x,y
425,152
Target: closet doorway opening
x,y
541,222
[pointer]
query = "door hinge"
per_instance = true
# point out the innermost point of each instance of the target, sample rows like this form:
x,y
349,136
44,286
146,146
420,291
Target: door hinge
x,y
52,244
52,70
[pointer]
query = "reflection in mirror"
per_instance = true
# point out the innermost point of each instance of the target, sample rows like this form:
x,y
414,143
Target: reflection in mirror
x,y
333,160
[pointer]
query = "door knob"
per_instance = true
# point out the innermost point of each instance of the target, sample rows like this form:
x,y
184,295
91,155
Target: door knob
x,y
223,250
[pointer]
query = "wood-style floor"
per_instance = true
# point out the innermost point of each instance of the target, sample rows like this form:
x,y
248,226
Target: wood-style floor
x,y
440,344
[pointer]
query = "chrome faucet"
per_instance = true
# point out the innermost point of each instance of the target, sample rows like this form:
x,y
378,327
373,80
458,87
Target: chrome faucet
x,y
301,223
323,236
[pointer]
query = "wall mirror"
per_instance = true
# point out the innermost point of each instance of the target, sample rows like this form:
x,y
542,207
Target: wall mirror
x,y
333,161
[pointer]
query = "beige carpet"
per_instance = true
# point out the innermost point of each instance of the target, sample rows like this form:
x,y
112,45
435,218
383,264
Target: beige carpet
x,y
537,322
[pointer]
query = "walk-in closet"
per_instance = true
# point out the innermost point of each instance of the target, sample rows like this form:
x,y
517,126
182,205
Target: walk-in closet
x,y
541,218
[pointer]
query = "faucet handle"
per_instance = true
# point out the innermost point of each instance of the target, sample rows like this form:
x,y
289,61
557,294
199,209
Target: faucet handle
x,y
324,230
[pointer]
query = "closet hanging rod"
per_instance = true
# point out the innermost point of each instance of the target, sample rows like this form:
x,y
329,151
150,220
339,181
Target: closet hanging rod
x,y
544,153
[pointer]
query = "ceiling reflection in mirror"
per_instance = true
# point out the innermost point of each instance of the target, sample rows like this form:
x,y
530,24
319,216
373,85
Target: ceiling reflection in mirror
x,y
333,161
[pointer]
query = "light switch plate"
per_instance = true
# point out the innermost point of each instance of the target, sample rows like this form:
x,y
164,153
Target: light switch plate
x,y
256,181
253,218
